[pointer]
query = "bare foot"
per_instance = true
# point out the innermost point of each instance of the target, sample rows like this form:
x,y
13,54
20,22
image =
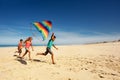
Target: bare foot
x,y
20,57
53,63
30,59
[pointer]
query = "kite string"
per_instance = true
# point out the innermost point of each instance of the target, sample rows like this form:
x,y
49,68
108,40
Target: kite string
x,y
34,34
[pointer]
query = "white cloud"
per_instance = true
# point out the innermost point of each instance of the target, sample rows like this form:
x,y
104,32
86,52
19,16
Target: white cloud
x,y
75,38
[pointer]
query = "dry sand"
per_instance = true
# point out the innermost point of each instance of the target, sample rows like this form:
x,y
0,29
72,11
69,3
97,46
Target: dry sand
x,y
73,62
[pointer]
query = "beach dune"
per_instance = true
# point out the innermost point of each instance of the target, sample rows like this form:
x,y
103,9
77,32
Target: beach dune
x,y
73,62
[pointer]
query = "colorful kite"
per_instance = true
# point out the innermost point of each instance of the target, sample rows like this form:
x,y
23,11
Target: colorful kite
x,y
44,28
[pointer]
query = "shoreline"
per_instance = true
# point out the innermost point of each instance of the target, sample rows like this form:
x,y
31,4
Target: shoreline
x,y
92,43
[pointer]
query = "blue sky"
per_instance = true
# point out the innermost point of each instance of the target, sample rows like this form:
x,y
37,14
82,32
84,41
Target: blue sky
x,y
74,21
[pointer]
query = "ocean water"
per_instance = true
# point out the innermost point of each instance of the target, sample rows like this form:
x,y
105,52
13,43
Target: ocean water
x,y
17,45
8,45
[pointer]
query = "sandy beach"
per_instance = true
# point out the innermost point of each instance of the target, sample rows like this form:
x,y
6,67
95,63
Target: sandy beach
x,y
73,62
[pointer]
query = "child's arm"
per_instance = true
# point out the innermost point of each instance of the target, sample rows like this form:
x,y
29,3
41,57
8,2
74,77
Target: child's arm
x,y
55,47
19,46
32,47
52,35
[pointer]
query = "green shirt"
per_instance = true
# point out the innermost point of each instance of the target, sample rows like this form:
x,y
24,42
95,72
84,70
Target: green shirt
x,y
50,44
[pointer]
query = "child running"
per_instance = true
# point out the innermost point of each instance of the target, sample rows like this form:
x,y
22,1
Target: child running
x,y
20,46
28,44
48,49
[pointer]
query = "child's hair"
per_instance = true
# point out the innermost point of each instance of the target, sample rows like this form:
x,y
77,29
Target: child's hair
x,y
54,36
21,39
27,39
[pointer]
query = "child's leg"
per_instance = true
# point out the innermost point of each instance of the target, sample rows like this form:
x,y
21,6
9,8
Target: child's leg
x,y
52,57
20,51
25,53
46,52
39,54
29,55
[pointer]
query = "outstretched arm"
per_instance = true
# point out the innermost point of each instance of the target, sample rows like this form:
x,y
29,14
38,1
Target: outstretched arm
x,y
55,47
52,35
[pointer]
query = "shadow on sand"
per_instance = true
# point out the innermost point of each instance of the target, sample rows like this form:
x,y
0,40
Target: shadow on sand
x,y
37,60
22,61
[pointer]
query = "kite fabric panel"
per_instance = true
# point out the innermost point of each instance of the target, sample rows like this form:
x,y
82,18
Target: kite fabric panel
x,y
44,28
